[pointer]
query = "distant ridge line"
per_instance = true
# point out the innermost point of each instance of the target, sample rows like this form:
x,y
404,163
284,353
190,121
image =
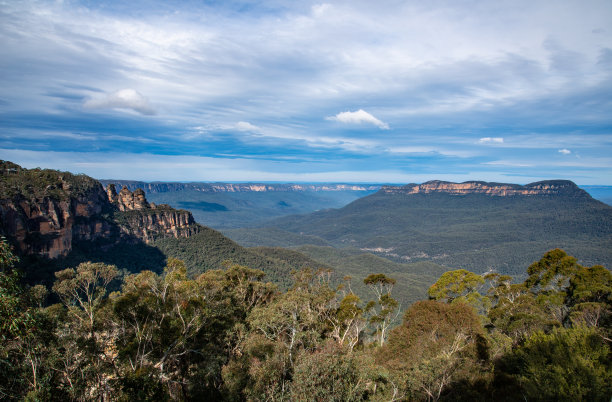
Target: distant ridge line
x,y
218,187
546,187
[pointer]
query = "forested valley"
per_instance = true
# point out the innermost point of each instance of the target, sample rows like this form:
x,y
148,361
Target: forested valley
x,y
227,334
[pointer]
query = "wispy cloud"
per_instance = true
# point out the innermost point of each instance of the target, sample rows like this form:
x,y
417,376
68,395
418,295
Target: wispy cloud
x,y
122,99
491,140
246,126
358,117
565,151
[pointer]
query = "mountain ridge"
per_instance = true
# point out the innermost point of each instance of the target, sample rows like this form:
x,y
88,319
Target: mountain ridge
x,y
545,187
454,225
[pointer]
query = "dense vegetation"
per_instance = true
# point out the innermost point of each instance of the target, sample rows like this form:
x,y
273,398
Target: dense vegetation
x,y
228,335
38,183
474,231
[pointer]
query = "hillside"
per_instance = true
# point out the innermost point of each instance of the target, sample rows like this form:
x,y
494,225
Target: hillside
x,y
413,279
474,225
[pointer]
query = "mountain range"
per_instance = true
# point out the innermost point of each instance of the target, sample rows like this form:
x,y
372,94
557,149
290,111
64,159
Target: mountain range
x,y
473,225
413,233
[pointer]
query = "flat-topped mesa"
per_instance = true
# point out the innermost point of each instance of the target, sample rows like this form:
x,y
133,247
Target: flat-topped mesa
x,y
547,187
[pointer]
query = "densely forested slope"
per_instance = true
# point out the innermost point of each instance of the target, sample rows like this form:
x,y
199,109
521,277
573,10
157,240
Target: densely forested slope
x,y
473,231
413,279
272,237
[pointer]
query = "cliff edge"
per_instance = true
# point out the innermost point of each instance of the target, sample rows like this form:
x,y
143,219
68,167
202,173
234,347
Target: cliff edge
x,y
45,211
541,188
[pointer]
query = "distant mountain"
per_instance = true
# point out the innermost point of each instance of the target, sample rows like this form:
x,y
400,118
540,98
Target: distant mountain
x,y
232,205
473,225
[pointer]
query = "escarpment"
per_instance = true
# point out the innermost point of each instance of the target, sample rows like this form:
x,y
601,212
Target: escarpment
x,y
541,188
44,212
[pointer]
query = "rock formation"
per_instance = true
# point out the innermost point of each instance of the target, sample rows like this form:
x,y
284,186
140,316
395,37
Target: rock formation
x,y
148,222
44,212
541,188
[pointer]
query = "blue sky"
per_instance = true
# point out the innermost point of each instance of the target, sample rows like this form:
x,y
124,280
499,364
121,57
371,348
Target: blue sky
x,y
350,91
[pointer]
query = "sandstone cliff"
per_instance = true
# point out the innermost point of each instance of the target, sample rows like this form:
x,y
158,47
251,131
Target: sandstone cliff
x,y
44,212
541,188
147,222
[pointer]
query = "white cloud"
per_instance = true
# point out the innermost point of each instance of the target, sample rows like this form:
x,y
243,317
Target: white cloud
x,y
359,117
122,99
491,140
565,151
246,126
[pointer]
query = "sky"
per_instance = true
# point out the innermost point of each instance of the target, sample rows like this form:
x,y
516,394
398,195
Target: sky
x,y
300,91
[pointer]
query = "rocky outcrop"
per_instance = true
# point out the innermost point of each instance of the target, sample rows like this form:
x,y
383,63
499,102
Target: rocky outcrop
x,y
44,212
541,188
147,222
156,223
48,226
130,201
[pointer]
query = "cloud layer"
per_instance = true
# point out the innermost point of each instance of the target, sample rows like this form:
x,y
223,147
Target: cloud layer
x,y
122,99
474,88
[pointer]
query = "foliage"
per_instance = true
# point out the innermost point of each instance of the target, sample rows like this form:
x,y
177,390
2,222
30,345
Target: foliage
x,y
39,183
226,334
567,364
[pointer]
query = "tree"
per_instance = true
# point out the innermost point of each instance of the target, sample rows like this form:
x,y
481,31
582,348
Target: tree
x,y
436,344
552,272
327,375
455,284
87,361
385,310
568,364
347,321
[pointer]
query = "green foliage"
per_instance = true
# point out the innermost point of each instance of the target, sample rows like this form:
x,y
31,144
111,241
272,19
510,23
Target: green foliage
x,y
454,285
565,365
39,183
437,344
413,279
327,376
552,271
225,334
209,249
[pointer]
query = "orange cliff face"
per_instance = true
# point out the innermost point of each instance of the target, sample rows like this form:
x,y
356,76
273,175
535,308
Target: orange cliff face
x,y
48,226
48,221
548,188
148,222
